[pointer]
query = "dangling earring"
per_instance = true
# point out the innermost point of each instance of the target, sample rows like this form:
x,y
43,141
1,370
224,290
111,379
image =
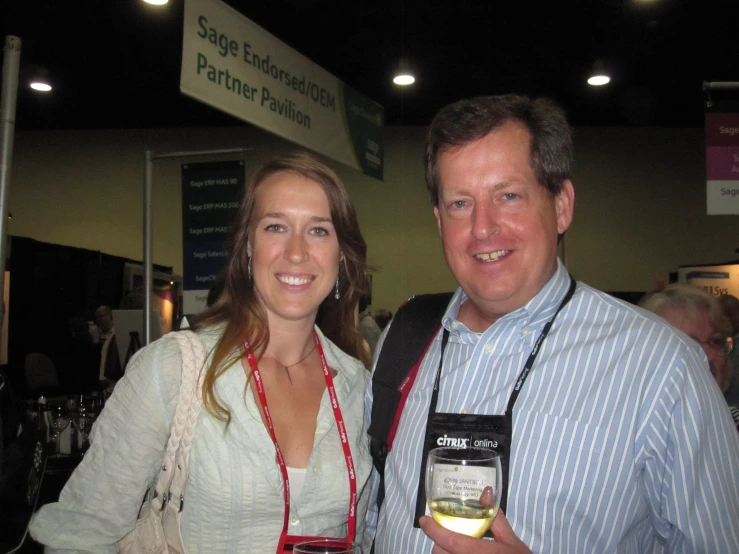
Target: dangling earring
x,y
336,292
249,268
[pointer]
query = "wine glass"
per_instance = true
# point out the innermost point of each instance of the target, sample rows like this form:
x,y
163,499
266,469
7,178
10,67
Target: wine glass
x,y
84,424
463,487
60,421
327,546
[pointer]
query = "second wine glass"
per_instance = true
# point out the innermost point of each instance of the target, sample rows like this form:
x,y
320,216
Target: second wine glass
x,y
327,546
60,421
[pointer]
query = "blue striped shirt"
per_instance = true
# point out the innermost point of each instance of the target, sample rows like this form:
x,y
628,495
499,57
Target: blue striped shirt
x,y
622,442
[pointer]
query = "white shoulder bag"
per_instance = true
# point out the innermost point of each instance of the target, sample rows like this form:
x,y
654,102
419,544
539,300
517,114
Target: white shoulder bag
x,y
157,529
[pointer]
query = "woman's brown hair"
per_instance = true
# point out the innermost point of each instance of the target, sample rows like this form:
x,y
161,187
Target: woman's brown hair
x,y
237,307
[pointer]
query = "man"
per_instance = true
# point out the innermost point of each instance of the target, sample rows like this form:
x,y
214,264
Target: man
x,y
700,316
614,435
110,363
368,326
730,304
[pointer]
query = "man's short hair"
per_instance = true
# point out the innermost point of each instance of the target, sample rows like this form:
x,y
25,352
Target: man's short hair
x,y
103,311
690,300
469,120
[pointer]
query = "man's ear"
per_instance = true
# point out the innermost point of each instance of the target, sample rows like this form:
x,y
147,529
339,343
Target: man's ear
x,y
438,219
564,203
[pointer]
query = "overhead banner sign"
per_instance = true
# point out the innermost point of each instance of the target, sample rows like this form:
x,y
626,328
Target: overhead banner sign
x,y
234,65
722,163
211,197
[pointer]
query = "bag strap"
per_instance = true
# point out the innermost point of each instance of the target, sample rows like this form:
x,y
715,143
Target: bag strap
x,y
176,463
411,330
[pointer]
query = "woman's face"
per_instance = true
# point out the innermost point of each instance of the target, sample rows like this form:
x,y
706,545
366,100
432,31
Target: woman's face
x,y
293,247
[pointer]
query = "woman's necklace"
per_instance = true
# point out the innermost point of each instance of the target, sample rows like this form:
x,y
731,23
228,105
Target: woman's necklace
x,y
287,367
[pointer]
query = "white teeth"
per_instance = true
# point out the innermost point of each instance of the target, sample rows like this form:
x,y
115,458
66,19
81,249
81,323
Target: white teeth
x,y
491,256
288,280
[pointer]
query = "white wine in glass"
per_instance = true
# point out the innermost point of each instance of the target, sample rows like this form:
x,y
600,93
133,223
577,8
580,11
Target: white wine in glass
x,y
463,487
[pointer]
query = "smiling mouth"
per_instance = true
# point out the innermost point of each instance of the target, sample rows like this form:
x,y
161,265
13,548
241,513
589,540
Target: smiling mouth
x,y
290,280
492,256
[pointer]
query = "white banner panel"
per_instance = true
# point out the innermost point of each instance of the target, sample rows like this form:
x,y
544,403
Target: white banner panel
x,y
194,301
234,65
714,279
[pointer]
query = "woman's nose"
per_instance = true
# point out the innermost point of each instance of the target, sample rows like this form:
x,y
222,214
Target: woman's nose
x,y
296,249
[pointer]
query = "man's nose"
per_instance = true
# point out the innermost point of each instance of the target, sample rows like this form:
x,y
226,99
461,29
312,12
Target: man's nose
x,y
484,221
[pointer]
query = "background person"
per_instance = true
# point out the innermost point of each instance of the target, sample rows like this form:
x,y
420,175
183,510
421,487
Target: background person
x,y
382,317
368,326
700,316
730,305
296,245
110,370
610,449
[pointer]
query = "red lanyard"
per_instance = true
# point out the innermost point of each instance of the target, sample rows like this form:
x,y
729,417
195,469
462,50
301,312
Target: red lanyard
x,y
342,434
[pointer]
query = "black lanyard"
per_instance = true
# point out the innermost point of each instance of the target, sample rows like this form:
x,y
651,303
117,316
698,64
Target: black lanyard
x,y
473,430
526,368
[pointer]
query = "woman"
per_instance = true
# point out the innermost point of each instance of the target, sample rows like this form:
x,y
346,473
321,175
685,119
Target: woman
x,y
296,246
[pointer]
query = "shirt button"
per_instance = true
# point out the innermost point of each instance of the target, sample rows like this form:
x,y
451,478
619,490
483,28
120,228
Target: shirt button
x,y
489,348
315,469
525,332
294,521
455,325
465,411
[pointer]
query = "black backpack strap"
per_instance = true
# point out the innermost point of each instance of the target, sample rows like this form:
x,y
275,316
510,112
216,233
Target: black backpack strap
x,y
411,330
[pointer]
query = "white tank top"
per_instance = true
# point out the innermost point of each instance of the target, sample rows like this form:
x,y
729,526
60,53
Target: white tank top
x,y
296,476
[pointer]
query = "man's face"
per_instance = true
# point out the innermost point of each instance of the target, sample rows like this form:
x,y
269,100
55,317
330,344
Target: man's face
x,y
104,320
698,327
498,226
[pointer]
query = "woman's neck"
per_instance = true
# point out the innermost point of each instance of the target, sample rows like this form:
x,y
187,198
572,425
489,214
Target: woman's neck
x,y
289,341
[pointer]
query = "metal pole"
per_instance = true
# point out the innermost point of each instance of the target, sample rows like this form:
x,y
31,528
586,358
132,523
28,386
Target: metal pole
x,y
719,85
11,63
147,249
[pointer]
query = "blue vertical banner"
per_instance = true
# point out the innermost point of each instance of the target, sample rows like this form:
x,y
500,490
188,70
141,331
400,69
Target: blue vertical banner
x,y
211,197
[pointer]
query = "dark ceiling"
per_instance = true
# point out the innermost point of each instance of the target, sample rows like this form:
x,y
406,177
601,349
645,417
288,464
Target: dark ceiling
x,y
116,63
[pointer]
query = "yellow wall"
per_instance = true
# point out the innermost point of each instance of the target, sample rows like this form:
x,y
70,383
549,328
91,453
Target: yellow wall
x,y
640,202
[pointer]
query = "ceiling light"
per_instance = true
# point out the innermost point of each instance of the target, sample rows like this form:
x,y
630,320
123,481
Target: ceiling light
x,y
599,80
40,86
599,76
38,78
403,75
156,2
404,79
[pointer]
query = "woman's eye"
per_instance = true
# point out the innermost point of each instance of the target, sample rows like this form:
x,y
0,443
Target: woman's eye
x,y
275,228
320,232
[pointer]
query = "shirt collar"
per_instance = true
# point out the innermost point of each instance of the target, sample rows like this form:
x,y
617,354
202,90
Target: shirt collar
x,y
540,308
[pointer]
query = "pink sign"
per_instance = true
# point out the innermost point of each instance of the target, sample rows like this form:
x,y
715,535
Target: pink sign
x,y
722,163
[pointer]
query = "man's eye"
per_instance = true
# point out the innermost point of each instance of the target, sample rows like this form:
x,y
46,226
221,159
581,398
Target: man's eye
x,y
510,196
459,204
